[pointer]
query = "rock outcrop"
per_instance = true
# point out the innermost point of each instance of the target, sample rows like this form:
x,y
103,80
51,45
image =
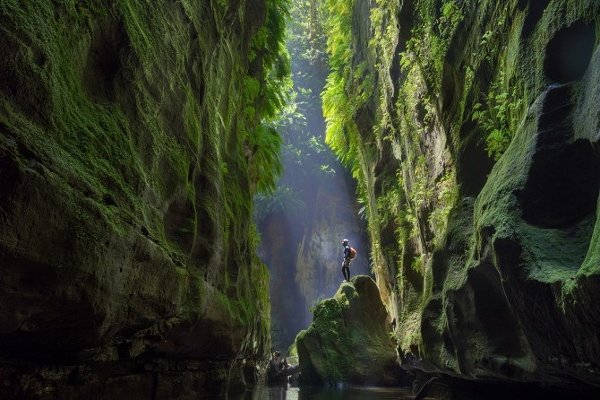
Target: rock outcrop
x,y
474,127
130,148
349,339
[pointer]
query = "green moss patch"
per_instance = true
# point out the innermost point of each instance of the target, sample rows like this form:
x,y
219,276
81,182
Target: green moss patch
x,y
349,339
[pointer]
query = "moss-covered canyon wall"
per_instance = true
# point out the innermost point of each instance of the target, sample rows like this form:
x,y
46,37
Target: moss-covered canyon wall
x,y
133,135
472,129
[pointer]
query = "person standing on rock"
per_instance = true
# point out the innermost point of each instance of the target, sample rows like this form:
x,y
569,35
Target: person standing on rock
x,y
349,254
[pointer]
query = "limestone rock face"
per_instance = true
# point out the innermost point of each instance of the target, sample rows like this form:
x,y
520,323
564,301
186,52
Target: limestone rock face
x,y
349,339
126,179
480,160
320,254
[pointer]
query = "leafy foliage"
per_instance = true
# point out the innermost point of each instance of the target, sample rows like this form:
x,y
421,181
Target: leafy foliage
x,y
306,36
266,157
304,147
266,95
498,116
431,37
347,88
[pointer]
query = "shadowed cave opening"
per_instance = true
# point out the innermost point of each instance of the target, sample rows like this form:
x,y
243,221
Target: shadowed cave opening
x,y
563,186
104,60
569,52
564,180
493,312
473,164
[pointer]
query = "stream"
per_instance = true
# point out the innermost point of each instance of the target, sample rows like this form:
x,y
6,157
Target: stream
x,y
314,393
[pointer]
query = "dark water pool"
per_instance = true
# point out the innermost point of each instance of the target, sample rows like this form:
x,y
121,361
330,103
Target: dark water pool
x,y
342,393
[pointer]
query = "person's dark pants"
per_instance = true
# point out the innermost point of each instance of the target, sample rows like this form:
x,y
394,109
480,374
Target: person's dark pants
x,y
346,270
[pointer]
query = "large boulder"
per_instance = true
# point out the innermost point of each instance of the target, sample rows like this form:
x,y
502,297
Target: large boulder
x,y
349,339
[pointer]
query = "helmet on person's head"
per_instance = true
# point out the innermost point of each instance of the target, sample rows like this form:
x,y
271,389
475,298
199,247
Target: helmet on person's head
x,y
345,242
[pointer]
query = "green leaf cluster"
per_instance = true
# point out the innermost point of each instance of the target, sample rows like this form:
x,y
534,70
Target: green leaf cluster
x,y
348,88
306,36
266,95
498,116
431,37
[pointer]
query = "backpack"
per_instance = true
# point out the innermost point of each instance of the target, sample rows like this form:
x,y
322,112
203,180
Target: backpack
x,y
352,253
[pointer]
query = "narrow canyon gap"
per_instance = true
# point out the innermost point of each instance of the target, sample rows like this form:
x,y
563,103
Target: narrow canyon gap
x,y
314,207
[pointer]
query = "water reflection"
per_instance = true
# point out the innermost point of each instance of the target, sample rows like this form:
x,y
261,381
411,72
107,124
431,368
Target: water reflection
x,y
345,393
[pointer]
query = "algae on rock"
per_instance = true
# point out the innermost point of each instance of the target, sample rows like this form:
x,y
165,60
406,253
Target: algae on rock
x,y
349,339
133,136
475,150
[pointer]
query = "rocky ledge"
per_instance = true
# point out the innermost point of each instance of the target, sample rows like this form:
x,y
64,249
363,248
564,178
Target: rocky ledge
x,y
350,339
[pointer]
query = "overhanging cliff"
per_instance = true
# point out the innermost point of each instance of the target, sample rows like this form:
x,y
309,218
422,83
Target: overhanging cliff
x,y
133,136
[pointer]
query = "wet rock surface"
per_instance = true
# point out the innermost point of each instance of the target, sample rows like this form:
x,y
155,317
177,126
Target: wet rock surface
x,y
349,340
488,163
127,260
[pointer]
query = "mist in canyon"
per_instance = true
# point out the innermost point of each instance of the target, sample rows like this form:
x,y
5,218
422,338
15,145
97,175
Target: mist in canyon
x,y
314,206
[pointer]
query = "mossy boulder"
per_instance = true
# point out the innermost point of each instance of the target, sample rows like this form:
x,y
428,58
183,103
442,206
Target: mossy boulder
x,y
349,339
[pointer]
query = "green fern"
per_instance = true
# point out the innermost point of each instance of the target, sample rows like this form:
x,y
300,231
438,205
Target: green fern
x,y
266,96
